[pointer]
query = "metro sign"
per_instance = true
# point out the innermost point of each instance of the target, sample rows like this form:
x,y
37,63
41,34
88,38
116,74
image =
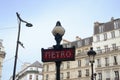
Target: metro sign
x,y
64,54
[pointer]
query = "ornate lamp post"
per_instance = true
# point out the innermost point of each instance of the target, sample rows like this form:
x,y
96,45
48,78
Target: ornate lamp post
x,y
95,75
91,55
58,32
18,41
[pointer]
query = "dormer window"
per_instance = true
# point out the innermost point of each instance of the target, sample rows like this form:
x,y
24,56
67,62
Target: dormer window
x,y
97,38
68,45
86,41
100,28
79,43
105,36
113,34
116,24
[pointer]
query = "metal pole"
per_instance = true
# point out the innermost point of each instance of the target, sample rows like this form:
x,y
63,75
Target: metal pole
x,y
58,32
17,46
58,63
16,54
95,75
92,70
58,39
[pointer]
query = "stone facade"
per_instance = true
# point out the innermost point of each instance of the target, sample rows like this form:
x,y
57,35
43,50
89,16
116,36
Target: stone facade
x,y
105,41
72,70
30,72
2,56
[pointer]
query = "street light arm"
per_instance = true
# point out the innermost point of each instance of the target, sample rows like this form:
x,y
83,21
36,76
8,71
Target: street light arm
x,y
18,16
18,42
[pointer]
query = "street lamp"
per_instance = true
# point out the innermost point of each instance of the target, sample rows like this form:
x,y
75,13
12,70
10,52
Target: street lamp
x,y
95,75
18,41
91,55
58,32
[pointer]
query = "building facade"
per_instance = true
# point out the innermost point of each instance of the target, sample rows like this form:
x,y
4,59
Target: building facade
x,y
105,41
30,72
72,70
2,56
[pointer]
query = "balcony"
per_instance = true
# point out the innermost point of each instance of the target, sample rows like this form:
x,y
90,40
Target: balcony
x,y
108,50
107,78
79,75
115,63
98,65
106,64
32,71
87,74
68,77
116,78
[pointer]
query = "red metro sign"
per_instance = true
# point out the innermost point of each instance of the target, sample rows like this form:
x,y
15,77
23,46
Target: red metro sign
x,y
65,54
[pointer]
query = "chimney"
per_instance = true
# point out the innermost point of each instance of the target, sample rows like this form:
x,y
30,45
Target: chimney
x,y
78,38
96,23
65,41
112,18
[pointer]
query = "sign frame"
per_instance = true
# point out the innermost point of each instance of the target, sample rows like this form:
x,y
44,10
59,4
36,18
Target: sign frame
x,y
68,52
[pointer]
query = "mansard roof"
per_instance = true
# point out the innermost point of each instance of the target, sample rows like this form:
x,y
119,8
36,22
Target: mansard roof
x,y
82,41
107,26
36,64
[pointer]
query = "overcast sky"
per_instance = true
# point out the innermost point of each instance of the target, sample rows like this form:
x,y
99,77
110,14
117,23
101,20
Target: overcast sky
x,y
76,16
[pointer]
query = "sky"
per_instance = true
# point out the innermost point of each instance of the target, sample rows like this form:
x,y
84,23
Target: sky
x,y
76,16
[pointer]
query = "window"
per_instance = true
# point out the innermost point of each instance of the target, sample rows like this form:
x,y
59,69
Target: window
x,y
64,45
68,64
79,52
30,77
105,36
79,63
79,43
106,48
47,77
87,72
61,75
68,75
97,38
114,46
113,34
119,32
62,66
87,61
116,24
37,69
116,75
79,73
43,68
86,41
99,76
68,45
31,68
98,63
115,60
47,67
99,50
101,29
106,62
36,77
107,75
